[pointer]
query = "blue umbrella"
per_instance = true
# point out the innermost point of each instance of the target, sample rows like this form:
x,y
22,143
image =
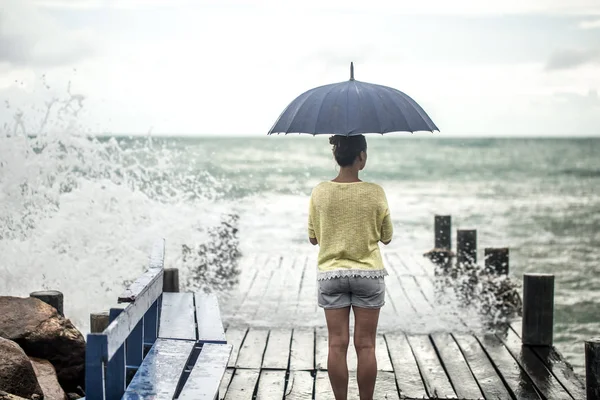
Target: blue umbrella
x,y
352,108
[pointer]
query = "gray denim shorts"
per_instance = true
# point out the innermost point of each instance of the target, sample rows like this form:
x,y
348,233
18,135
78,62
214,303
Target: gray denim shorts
x,y
355,290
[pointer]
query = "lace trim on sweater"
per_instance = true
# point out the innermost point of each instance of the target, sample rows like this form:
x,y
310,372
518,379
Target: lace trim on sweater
x,y
343,273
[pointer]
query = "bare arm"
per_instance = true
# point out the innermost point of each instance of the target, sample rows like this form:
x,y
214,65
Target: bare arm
x,y
387,230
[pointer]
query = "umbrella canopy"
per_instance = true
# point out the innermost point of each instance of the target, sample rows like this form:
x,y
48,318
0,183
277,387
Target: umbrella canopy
x,y
352,108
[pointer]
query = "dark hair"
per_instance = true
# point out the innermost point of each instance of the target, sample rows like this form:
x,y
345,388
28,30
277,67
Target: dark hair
x,y
347,148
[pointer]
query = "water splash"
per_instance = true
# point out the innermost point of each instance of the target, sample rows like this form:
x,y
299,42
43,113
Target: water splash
x,y
78,213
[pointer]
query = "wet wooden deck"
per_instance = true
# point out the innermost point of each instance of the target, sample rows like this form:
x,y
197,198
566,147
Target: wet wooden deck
x,y
427,347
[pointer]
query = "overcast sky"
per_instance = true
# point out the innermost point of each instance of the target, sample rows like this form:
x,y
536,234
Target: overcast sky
x,y
495,67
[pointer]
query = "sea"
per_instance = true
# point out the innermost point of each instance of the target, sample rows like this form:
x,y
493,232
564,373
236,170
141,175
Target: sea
x,y
79,213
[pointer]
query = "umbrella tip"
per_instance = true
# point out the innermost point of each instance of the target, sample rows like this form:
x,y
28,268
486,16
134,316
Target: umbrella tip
x,y
351,71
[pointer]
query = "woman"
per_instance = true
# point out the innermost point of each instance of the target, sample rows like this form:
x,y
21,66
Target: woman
x,y
347,219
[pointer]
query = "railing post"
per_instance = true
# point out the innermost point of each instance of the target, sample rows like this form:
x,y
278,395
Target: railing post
x,y
134,347
592,369
466,243
442,226
115,369
151,324
171,280
496,260
98,322
538,309
51,297
96,351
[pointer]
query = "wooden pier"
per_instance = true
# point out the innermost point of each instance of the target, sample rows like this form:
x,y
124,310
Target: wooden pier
x,y
428,346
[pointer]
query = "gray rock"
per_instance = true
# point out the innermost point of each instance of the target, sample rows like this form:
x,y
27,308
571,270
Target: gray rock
x,y
46,376
8,396
17,376
42,333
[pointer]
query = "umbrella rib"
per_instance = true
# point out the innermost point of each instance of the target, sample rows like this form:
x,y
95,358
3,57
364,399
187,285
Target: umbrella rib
x,y
321,107
308,94
374,102
418,109
390,98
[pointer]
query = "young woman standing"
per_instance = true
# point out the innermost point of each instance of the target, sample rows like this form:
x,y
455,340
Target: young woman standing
x,y
347,219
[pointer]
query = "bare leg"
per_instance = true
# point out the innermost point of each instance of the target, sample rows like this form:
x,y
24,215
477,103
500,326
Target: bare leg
x,y
365,332
339,335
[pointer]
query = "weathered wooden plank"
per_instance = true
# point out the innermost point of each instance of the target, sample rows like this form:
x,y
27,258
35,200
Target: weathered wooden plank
x,y
307,302
481,367
235,337
269,303
434,377
177,319
394,263
300,386
290,292
242,384
407,374
385,386
458,371
557,364
302,357
252,350
224,386
277,354
208,315
381,352
515,378
403,306
323,389
205,378
543,379
248,276
427,288
389,311
408,263
561,370
271,385
253,300
416,296
159,374
426,264
321,348
151,278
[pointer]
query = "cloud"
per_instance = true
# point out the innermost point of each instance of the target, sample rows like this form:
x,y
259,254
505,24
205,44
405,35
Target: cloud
x,y
590,24
29,36
437,7
589,100
572,58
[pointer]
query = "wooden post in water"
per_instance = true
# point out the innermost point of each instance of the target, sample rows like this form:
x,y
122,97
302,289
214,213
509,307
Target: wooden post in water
x,y
441,254
98,322
592,369
51,297
466,247
171,280
496,260
538,309
442,226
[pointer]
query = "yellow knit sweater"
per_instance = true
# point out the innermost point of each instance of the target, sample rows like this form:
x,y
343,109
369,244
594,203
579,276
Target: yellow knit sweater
x,y
348,220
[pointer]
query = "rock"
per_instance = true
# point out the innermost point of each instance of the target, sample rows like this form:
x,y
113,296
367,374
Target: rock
x,y
8,396
42,333
46,376
16,372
